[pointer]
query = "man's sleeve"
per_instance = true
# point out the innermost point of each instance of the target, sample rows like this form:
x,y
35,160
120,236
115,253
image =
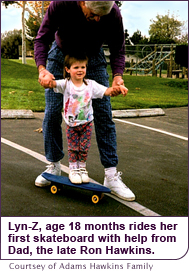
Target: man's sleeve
x,y
46,34
116,42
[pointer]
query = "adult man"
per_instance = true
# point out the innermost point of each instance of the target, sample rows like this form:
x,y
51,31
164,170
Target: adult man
x,y
82,26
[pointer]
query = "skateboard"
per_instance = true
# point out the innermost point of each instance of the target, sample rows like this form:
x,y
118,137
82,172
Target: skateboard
x,y
58,181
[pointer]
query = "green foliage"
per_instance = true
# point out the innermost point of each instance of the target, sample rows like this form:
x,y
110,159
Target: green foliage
x,y
177,84
9,44
32,27
6,3
137,38
165,29
119,3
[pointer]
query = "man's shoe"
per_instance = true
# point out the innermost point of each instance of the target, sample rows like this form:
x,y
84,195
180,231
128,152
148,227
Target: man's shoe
x,y
75,176
52,168
84,175
118,188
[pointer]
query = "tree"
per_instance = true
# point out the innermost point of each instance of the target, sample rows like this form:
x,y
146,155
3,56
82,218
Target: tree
x,y
136,37
37,9
33,23
183,39
119,3
23,34
127,40
165,29
6,3
23,5
32,28
34,8
9,44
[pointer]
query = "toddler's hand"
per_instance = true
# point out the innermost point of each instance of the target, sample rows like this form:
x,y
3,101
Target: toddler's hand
x,y
116,90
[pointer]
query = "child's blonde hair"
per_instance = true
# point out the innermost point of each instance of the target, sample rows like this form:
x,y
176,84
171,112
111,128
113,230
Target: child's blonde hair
x,y
69,60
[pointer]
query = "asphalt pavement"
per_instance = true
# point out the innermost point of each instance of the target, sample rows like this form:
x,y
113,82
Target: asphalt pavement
x,y
153,157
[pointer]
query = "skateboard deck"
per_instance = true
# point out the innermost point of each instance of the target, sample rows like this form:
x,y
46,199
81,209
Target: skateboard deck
x,y
57,181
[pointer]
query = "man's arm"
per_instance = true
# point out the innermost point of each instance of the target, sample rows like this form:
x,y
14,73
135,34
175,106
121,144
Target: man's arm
x,y
116,43
45,37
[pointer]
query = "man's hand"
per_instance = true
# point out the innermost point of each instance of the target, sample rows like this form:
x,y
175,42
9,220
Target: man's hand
x,y
45,78
117,81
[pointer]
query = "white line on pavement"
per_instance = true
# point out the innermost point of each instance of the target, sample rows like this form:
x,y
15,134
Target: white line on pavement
x,y
133,205
153,129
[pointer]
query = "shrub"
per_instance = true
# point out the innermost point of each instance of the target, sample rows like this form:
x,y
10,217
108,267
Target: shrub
x,y
9,44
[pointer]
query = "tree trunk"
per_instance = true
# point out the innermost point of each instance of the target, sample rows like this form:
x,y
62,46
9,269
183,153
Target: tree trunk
x,y
42,11
23,35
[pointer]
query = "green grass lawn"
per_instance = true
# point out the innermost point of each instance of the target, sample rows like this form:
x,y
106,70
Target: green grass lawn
x,y
152,92
19,86
20,89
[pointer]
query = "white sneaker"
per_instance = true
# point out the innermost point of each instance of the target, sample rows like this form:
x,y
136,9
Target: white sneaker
x,y
118,188
75,176
84,175
52,168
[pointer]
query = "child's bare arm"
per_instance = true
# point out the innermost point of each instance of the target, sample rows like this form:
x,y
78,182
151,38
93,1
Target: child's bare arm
x,y
52,84
116,90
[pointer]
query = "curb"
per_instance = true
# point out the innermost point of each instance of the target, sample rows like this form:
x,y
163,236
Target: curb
x,y
135,113
17,114
131,113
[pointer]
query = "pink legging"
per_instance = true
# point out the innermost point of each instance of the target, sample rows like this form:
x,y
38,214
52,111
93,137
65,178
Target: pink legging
x,y
79,141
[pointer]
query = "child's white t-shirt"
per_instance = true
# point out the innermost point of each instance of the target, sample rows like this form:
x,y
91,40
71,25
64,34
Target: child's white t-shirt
x,y
78,100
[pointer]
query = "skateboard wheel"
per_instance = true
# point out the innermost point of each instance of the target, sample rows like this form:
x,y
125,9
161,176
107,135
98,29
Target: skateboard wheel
x,y
54,189
95,199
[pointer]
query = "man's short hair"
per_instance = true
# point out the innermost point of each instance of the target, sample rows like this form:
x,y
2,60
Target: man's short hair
x,y
100,7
